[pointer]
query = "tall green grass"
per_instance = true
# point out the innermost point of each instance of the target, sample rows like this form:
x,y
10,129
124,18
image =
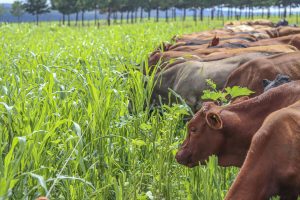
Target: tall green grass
x,y
66,131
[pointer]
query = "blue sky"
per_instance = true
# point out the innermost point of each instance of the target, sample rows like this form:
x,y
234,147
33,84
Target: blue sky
x,y
7,1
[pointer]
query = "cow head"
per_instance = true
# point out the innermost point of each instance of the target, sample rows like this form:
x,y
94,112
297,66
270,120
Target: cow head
x,y
204,137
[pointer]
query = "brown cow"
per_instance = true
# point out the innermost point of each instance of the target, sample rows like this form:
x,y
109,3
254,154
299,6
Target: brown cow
x,y
237,51
272,165
293,40
188,48
189,79
283,31
202,35
248,28
214,54
253,72
255,32
192,43
226,131
262,22
205,40
231,51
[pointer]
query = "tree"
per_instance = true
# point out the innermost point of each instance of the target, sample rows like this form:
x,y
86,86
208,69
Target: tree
x,y
36,7
83,6
17,9
284,4
165,6
95,5
264,4
154,4
133,7
112,6
2,11
65,7
184,4
203,4
123,8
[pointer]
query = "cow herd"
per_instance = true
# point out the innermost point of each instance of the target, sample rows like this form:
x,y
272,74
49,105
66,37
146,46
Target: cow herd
x,y
260,133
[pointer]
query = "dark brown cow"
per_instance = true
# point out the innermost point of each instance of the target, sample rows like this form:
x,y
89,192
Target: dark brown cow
x,y
253,72
226,131
272,165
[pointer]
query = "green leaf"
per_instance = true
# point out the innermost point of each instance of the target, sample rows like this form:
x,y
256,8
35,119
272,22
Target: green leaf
x,y
221,96
77,129
41,181
138,142
145,127
214,96
237,91
211,84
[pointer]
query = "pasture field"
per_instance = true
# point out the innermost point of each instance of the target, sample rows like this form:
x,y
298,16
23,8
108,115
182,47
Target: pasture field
x,y
66,131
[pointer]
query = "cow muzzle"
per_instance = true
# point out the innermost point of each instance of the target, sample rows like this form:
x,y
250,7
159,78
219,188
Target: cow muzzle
x,y
184,157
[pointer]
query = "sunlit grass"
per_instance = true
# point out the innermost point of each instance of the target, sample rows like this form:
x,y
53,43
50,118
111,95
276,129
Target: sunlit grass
x,y
66,131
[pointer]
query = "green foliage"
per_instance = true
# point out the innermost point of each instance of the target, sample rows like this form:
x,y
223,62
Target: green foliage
x,y
2,10
237,91
65,7
36,7
17,9
224,96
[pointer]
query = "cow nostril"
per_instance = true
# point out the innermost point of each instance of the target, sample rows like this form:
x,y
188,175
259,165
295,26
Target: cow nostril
x,y
183,157
177,156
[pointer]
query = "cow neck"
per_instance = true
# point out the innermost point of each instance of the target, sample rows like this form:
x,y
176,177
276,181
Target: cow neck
x,y
257,179
262,105
254,181
253,112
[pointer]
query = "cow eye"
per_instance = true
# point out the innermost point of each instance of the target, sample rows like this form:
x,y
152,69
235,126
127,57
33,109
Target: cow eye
x,y
193,129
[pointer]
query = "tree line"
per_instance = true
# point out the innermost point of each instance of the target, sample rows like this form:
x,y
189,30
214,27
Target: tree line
x,y
131,10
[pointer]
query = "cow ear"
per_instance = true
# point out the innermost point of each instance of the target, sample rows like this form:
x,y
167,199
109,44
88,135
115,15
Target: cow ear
x,y
214,121
266,82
